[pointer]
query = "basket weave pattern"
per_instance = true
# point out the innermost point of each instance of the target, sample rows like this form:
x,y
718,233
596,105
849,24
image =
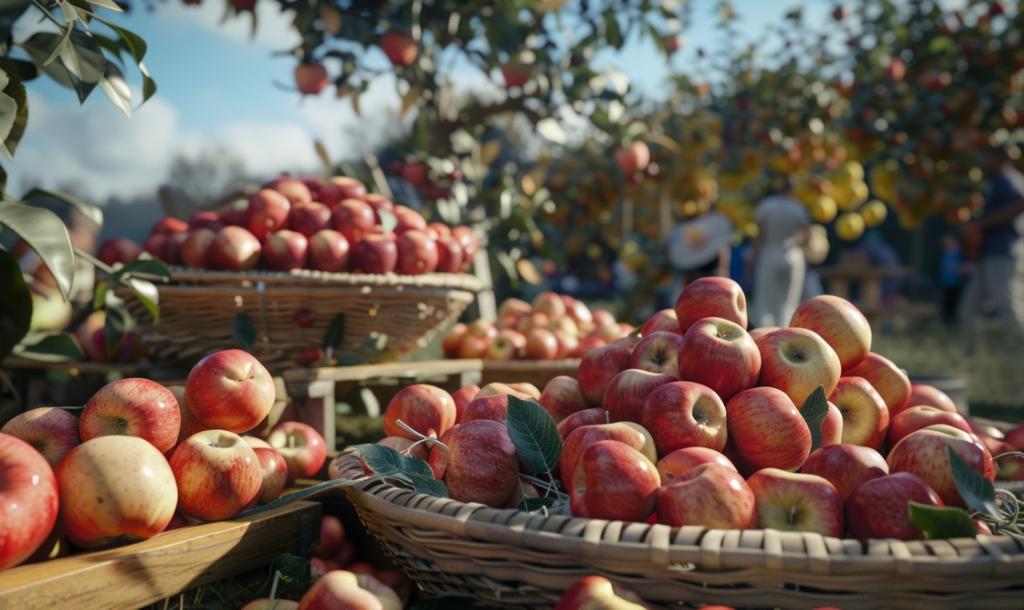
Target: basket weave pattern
x,y
516,559
197,309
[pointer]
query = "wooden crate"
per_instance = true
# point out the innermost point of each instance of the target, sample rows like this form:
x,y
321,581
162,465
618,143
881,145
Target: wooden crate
x,y
537,372
146,572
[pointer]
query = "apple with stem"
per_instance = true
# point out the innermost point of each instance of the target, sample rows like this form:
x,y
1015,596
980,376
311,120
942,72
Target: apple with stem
x,y
794,502
427,409
217,473
865,416
658,352
134,407
230,390
889,381
925,454
721,355
797,361
684,414
839,323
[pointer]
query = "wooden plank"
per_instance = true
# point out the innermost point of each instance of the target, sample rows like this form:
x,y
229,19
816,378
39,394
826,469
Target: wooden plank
x,y
78,368
146,572
400,370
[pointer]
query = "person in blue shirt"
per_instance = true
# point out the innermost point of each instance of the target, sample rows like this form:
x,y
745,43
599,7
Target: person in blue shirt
x,y
952,277
998,279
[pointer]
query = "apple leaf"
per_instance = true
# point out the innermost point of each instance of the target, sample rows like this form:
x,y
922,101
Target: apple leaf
x,y
535,435
15,306
814,410
292,570
243,330
395,467
941,522
978,492
46,234
334,335
388,221
54,348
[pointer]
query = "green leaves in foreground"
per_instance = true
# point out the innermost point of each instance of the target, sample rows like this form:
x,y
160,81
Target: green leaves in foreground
x,y
941,522
535,435
814,410
403,470
977,492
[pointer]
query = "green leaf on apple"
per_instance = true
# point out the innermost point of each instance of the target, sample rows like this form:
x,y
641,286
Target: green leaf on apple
x,y
395,467
814,410
334,335
388,221
54,348
243,330
535,435
293,571
941,522
15,307
978,492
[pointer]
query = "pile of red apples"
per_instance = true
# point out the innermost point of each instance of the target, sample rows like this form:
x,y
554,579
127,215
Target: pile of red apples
x,y
142,458
553,326
698,422
330,225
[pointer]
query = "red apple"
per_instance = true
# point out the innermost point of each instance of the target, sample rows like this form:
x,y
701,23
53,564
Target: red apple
x,y
133,407
832,426
354,219
482,463
598,593
627,392
865,416
294,189
486,406
924,453
598,367
767,430
634,435
711,297
205,219
268,212
916,418
541,344
839,323
720,355
309,218
399,48
450,257
501,348
664,320
613,481
462,397
274,473
579,313
230,390
562,397
169,226
235,214
51,431
879,507
925,395
28,500
311,79
328,251
284,250
658,352
846,466
349,188
438,230
301,446
549,304
233,249
344,590
115,489
408,220
761,331
467,238
793,502
375,254
253,441
332,536
194,252
170,253
681,461
712,496
633,158
588,344
473,347
683,414
427,409
417,253
119,250
797,361
889,381
585,417
154,245
189,424
218,475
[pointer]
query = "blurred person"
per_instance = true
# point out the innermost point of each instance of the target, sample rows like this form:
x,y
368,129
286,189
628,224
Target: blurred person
x,y
698,248
952,277
779,262
882,255
994,242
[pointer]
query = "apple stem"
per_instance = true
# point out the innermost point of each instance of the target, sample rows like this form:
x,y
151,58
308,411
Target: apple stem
x,y
1008,454
422,438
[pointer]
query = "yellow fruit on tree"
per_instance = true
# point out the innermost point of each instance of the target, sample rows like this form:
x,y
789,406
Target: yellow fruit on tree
x,y
849,226
873,213
824,209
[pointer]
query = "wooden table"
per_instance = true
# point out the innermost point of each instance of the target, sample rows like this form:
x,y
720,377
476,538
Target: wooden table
x,y
313,391
146,572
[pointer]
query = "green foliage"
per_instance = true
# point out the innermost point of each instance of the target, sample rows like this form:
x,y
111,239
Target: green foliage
x,y
15,306
941,522
977,492
402,469
535,435
814,411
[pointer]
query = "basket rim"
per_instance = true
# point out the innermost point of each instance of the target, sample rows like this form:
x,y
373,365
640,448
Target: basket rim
x,y
310,277
594,540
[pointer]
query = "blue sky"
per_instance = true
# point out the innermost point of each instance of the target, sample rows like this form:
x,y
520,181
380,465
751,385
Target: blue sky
x,y
219,88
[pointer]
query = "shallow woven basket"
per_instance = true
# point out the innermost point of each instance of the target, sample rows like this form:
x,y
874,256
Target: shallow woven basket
x,y
516,559
197,309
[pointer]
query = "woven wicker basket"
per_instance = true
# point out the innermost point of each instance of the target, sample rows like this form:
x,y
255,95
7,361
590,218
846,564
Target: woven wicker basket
x,y
197,309
516,559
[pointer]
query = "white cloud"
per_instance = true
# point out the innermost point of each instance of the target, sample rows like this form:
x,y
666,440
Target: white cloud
x,y
274,27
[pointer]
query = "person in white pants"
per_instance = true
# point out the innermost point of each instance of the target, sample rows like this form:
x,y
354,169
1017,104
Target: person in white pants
x,y
779,263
